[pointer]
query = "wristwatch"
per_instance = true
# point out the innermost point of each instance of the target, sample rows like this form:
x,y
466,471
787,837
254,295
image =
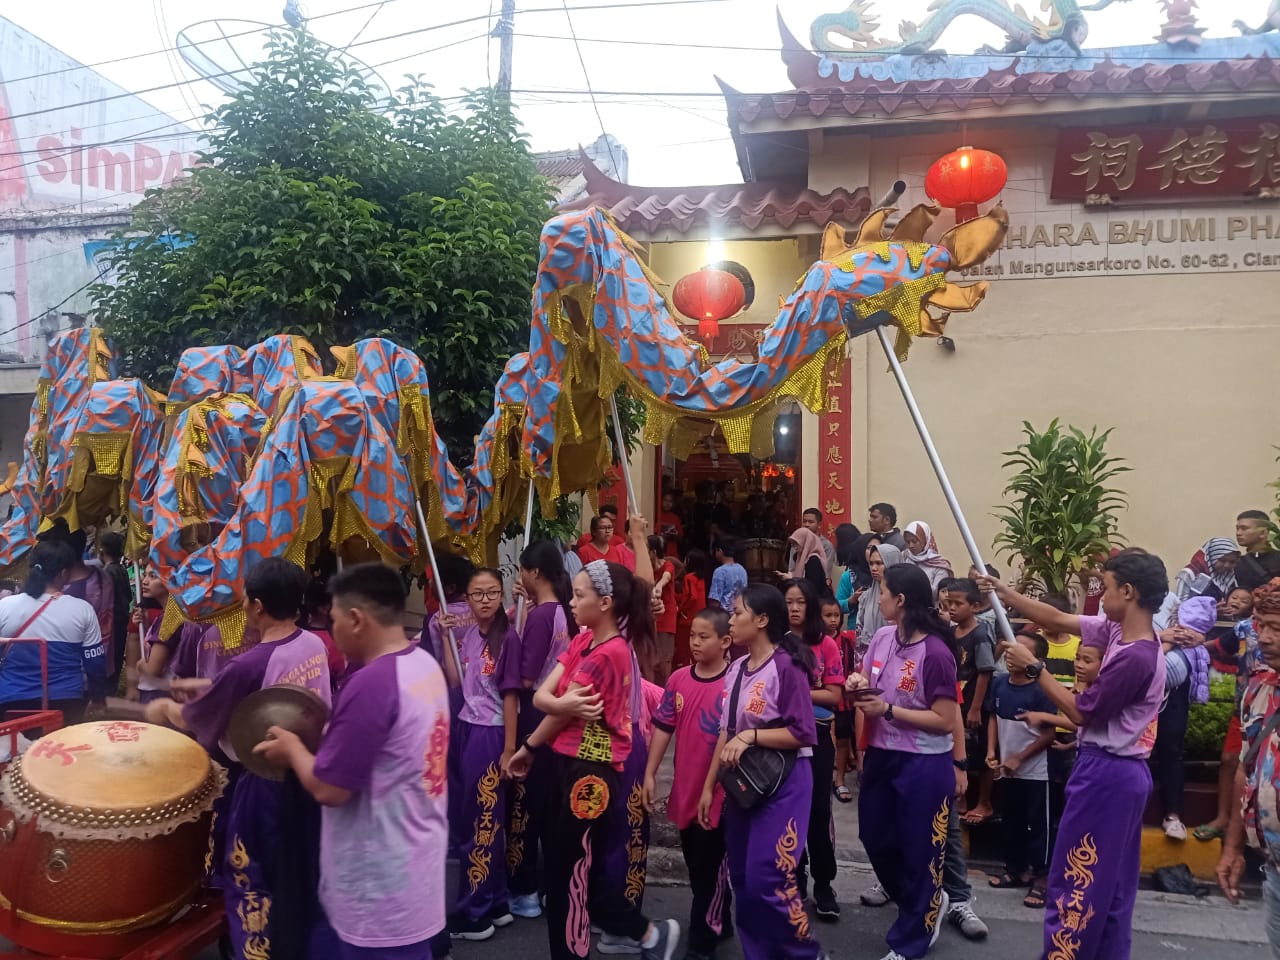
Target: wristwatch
x,y
1036,669
888,713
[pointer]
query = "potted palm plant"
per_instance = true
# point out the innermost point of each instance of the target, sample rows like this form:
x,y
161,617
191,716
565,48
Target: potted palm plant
x,y
1059,514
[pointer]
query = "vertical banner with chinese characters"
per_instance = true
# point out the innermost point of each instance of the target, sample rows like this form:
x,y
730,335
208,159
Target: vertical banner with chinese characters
x,y
835,443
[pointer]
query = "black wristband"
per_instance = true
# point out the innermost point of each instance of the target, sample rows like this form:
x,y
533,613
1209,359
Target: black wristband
x,y
960,764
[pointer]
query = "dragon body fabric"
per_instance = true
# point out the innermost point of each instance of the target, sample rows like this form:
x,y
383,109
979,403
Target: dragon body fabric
x,y
256,452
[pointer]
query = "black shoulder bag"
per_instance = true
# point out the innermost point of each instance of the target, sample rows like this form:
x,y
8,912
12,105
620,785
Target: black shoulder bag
x,y
761,771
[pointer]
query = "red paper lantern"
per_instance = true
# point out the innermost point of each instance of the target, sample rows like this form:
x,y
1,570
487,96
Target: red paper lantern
x,y
965,178
709,296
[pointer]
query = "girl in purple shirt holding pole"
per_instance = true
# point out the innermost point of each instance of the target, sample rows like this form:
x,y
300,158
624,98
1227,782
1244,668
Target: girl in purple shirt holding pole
x,y
906,692
490,652
772,709
1093,881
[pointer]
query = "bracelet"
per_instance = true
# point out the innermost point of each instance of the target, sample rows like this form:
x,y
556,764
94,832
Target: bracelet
x,y
526,745
757,738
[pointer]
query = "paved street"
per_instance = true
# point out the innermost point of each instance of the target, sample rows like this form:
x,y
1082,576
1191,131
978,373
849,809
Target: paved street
x,y
1165,926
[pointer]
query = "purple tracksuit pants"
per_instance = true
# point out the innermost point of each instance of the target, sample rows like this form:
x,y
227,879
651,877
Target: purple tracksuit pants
x,y
762,845
1093,880
904,806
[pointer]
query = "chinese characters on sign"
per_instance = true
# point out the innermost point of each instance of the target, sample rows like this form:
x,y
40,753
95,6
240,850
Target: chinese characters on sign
x,y
1212,159
834,443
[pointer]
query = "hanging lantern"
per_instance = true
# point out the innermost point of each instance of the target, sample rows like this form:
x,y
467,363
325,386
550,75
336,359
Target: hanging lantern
x,y
965,178
709,296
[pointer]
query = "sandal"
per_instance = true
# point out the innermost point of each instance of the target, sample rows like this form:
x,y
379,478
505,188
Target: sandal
x,y
1007,881
843,794
1036,897
1206,832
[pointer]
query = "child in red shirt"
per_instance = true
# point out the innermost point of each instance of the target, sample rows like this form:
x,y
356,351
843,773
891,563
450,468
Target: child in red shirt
x,y
846,640
690,712
587,700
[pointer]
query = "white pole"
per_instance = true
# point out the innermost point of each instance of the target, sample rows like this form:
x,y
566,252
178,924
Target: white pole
x,y
1006,629
632,503
528,537
435,575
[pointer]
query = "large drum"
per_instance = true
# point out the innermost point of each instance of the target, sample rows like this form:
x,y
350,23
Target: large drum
x,y
763,558
103,833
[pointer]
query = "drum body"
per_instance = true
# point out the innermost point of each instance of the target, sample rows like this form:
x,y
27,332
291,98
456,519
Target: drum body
x,y
103,834
763,558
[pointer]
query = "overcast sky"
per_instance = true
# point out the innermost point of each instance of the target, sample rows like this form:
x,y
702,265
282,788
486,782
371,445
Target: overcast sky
x,y
672,137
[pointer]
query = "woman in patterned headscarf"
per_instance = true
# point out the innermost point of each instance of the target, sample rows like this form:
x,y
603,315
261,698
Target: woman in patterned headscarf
x,y
1211,572
922,550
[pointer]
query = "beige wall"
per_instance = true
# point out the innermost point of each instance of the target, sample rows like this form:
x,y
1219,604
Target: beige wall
x,y
1183,365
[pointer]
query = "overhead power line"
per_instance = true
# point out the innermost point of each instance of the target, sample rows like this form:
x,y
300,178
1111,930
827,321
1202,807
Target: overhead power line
x,y
355,9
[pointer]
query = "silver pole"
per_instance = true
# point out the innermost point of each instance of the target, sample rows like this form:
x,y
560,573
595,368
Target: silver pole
x,y
623,458
528,536
435,575
1006,629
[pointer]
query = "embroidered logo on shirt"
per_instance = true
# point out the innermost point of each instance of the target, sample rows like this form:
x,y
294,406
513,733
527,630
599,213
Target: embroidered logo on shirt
x,y
588,798
757,703
679,702
907,678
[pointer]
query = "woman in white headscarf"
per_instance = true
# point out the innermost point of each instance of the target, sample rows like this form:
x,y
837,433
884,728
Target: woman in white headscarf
x,y
922,550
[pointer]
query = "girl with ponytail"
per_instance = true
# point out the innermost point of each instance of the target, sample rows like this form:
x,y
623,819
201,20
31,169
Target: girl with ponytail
x,y
826,687
590,728
906,692
67,624
547,628
768,704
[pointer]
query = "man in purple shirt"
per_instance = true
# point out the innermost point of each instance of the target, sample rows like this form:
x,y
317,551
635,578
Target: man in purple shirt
x,y
269,868
1093,881
381,777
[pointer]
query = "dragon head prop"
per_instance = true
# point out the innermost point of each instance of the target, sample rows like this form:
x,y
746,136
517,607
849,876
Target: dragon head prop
x,y
892,276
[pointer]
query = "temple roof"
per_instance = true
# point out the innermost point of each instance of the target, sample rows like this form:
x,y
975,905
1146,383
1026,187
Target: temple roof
x,y
736,209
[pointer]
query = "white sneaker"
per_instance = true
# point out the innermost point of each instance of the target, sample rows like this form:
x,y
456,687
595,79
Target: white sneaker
x,y
617,946
875,897
971,925
893,955
943,909
1174,828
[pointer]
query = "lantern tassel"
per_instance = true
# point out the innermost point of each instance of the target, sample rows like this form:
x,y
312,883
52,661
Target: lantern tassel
x,y
708,329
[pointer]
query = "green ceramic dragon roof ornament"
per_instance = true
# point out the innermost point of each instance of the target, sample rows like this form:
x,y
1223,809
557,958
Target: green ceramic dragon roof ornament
x,y
851,34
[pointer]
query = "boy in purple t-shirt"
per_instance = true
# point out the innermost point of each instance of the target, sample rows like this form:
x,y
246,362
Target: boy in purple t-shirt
x,y
690,711
268,869
1090,913
380,775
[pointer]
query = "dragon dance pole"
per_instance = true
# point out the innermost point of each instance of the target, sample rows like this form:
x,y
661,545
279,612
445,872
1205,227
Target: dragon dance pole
x,y
435,576
528,538
1006,629
624,458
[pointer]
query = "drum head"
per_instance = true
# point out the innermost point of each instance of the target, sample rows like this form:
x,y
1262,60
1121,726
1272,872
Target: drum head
x,y
115,765
294,708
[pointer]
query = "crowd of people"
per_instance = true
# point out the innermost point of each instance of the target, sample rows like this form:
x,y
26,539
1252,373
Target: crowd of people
x,y
525,741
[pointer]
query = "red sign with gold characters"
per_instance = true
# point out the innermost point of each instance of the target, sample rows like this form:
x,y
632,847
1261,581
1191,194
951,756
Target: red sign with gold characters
x,y
835,441
1234,158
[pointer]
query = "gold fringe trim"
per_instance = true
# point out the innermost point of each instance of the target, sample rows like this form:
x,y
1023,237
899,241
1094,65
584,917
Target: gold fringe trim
x,y
126,925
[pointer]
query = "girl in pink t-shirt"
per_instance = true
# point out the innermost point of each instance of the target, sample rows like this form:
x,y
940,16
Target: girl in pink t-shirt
x,y
589,702
690,712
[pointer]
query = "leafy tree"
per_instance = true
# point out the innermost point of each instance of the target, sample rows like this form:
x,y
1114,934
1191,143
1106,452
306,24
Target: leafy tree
x,y
326,210
1060,514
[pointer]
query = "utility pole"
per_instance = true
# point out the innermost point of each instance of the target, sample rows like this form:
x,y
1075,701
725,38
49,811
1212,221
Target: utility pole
x,y
505,31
